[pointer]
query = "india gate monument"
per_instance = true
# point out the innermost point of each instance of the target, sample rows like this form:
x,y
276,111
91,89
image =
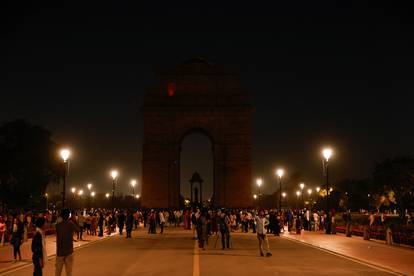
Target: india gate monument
x,y
196,96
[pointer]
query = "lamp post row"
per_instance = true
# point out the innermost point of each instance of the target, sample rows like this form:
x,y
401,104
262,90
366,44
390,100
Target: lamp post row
x,y
65,155
327,154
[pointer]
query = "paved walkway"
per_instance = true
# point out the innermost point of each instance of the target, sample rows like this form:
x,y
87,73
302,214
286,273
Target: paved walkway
x,y
377,253
6,251
175,253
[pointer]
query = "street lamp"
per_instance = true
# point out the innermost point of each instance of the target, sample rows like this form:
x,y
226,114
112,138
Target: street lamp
x,y
309,193
133,183
93,198
318,189
89,186
298,194
107,195
369,197
80,193
327,153
280,173
137,196
302,186
114,175
73,190
47,204
284,196
65,154
259,183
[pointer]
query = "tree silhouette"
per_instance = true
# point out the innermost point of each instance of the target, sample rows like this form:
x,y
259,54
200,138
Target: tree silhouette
x,y
396,177
28,163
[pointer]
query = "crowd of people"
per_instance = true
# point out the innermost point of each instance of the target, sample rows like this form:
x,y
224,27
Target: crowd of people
x,y
71,226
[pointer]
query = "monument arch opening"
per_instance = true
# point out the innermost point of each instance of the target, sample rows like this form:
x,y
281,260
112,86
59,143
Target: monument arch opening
x,y
196,167
196,95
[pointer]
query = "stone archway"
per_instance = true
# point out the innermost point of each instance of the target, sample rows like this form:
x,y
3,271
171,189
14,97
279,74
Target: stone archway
x,y
198,96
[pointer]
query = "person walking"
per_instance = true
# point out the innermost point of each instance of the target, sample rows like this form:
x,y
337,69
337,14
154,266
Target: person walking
x,y
223,221
101,220
17,238
162,221
81,223
39,256
121,222
261,224
202,230
64,244
129,224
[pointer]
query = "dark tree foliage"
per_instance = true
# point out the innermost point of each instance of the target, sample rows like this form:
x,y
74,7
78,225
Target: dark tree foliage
x,y
28,163
354,193
396,175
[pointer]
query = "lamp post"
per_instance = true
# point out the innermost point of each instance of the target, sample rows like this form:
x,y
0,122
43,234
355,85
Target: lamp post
x,y
65,154
280,173
309,194
47,203
327,153
93,198
114,175
107,195
298,194
302,186
259,183
133,183
89,185
369,197
318,189
73,190
284,196
80,193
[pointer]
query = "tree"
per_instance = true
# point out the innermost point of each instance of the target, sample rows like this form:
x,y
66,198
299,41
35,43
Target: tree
x,y
28,163
395,180
354,193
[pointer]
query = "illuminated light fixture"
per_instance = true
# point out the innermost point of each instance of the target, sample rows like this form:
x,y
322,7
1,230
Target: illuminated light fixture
x,y
65,154
114,174
327,153
280,172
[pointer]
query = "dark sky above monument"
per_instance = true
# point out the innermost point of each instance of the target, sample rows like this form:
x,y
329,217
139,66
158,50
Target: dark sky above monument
x,y
319,73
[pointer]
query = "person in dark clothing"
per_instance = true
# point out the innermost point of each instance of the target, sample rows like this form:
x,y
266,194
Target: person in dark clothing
x,y
38,247
64,244
101,225
129,224
202,230
224,225
298,224
121,222
17,237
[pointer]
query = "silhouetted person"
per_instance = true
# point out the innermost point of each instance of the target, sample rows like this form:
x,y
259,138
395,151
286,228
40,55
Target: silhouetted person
x,y
39,256
64,244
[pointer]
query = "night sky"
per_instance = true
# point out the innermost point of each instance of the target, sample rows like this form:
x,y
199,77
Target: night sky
x,y
319,73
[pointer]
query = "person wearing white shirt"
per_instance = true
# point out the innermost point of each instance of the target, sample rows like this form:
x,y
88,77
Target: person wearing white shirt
x,y
261,223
